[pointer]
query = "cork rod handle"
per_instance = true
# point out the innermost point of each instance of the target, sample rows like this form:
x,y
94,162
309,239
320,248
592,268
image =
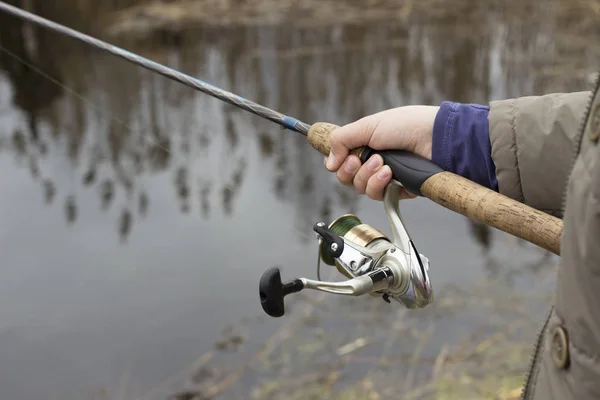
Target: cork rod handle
x,y
424,178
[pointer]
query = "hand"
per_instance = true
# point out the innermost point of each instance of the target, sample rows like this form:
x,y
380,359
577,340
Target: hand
x,y
407,128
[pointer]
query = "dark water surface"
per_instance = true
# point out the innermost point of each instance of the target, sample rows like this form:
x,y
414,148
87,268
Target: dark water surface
x,y
129,243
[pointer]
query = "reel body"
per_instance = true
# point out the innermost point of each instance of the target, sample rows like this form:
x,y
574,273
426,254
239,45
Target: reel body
x,y
373,263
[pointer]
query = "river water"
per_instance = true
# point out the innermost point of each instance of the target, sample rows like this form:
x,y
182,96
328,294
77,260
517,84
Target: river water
x,y
136,220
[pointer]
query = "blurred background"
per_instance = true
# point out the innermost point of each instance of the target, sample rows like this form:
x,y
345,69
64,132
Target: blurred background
x,y
137,215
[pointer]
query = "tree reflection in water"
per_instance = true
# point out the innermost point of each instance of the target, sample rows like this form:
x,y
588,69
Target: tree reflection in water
x,y
146,125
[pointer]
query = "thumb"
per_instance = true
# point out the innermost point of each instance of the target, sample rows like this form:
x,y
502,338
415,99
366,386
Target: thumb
x,y
349,137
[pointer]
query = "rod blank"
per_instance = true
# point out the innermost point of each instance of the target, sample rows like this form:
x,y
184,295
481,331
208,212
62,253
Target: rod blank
x,y
264,112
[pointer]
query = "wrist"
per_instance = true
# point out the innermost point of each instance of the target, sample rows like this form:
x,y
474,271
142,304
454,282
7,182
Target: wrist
x,y
423,130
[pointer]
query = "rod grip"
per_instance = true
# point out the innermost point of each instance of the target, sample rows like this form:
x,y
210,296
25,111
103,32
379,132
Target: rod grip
x,y
318,136
424,178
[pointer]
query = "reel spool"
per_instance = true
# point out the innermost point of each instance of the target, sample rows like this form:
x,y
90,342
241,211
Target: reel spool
x,y
373,263
351,228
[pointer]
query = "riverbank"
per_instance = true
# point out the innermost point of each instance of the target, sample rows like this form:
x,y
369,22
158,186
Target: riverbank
x,y
388,353
157,20
179,15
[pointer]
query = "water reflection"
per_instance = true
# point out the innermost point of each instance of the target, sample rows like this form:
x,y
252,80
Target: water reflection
x,y
145,125
49,191
482,234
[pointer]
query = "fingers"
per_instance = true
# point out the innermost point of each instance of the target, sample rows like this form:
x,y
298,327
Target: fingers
x,y
347,171
370,179
377,183
373,177
405,194
361,179
348,137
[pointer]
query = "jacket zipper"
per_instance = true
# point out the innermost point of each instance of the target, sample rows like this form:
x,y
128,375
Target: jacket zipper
x,y
577,147
527,392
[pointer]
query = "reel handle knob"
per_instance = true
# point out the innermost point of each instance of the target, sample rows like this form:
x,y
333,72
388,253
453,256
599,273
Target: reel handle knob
x,y
272,291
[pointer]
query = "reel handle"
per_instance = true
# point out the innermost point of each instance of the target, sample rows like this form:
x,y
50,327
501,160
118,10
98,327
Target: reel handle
x,y
422,177
272,291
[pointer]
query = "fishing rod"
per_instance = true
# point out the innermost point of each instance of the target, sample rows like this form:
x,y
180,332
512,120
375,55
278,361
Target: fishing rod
x,y
390,268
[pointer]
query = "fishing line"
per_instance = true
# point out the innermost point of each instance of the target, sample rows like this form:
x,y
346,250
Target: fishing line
x,y
104,111
281,119
262,111
68,89
107,114
257,109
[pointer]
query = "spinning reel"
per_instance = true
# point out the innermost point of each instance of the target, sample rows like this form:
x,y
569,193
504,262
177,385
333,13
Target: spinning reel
x,y
373,264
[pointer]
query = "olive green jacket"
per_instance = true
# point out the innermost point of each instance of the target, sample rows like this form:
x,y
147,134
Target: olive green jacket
x,y
547,155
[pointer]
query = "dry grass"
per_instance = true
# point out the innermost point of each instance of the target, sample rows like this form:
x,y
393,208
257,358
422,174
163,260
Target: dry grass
x,y
389,352
143,20
571,25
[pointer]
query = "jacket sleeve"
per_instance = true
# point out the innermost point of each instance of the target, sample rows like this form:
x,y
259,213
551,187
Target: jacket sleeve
x,y
460,142
533,142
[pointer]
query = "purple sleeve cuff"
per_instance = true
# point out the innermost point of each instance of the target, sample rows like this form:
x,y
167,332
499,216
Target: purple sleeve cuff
x,y
461,142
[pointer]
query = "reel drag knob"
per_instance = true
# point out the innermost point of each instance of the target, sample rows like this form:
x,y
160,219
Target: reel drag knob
x,y
272,291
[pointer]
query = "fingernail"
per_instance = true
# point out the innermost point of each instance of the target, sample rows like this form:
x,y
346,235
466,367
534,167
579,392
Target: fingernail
x,y
374,162
384,173
330,161
352,165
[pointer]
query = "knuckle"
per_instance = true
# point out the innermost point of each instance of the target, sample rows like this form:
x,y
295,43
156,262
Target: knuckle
x,y
344,177
359,186
335,134
375,196
335,139
374,189
359,182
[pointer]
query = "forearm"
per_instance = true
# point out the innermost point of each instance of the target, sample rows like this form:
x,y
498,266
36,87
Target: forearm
x,y
522,147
